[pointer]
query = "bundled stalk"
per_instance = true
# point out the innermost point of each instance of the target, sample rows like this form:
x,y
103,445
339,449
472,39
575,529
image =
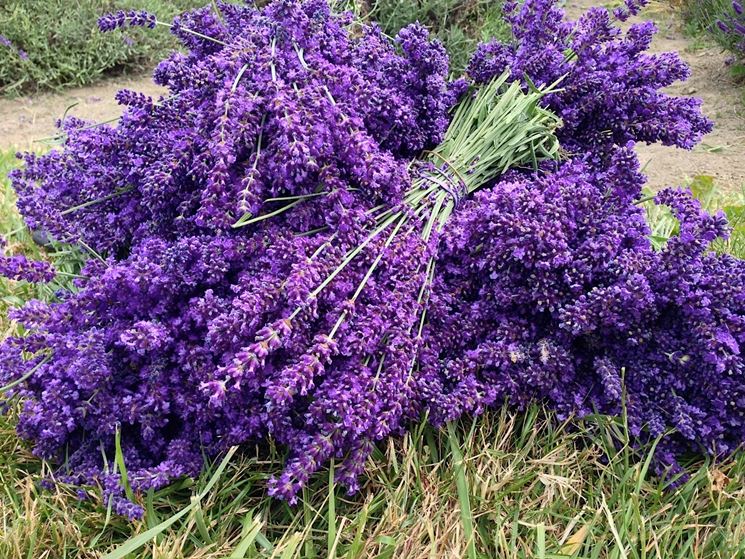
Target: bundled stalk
x,y
497,128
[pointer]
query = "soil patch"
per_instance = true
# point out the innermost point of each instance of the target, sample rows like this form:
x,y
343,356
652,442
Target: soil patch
x,y
26,120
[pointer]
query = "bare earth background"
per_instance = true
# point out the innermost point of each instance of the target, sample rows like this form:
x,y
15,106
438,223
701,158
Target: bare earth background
x,y
721,155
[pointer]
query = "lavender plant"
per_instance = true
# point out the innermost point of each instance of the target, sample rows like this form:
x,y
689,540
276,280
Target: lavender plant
x,y
269,262
563,299
732,25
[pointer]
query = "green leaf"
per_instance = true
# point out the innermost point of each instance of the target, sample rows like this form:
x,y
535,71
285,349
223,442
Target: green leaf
x,y
119,459
461,483
702,187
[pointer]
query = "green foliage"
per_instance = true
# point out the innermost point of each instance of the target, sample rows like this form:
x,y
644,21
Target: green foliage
x,y
65,47
68,260
19,242
701,18
528,484
664,225
735,245
459,24
701,15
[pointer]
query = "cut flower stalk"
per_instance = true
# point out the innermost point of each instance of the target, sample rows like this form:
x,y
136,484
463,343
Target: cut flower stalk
x,y
493,129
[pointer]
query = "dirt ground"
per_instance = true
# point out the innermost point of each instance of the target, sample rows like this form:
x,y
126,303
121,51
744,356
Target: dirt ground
x,y
722,154
26,120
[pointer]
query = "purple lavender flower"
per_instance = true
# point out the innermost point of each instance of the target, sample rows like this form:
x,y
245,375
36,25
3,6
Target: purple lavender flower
x,y
191,335
732,25
596,118
20,268
134,99
130,18
5,42
550,317
629,9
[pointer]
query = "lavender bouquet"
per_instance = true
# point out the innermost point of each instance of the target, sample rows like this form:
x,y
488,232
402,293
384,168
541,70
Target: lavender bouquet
x,y
317,237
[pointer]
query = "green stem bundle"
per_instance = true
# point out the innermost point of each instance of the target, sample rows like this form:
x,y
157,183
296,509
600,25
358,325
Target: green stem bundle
x,y
498,128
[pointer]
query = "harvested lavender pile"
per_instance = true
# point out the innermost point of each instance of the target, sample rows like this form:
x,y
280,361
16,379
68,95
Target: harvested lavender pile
x,y
319,238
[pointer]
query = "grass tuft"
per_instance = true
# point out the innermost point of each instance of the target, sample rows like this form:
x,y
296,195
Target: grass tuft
x,y
65,47
459,24
701,18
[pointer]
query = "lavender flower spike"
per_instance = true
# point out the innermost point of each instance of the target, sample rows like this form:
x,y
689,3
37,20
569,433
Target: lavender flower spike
x,y
130,18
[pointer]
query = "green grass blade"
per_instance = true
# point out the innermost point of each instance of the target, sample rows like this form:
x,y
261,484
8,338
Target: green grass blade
x,y
119,459
310,550
135,543
292,546
462,487
331,515
251,531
